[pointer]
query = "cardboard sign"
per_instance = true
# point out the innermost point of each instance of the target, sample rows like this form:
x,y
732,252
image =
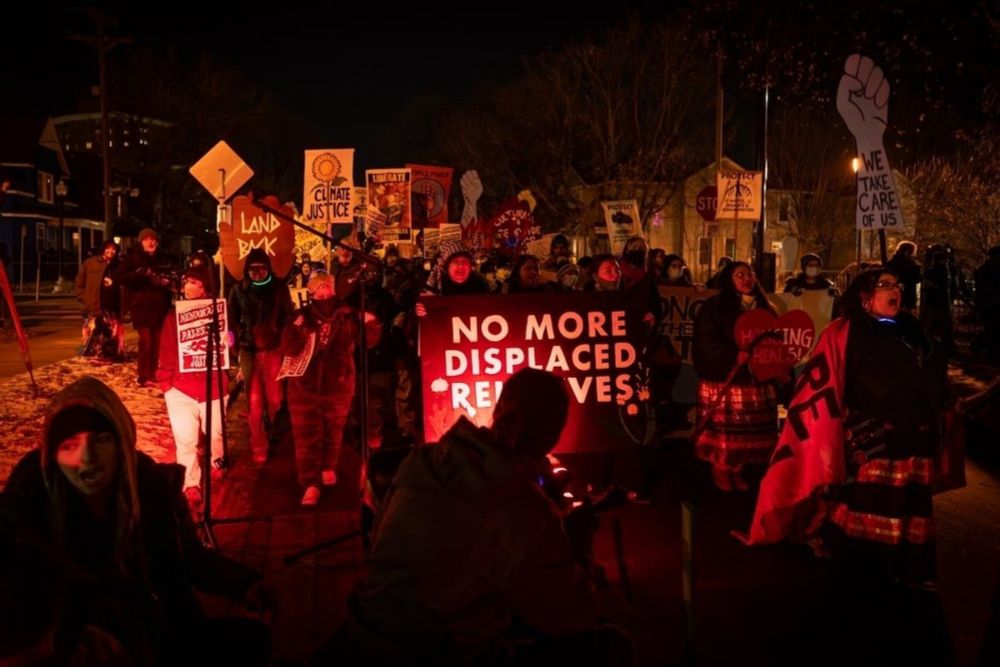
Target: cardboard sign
x,y
477,236
294,367
513,227
470,345
817,303
431,189
388,215
193,318
739,195
782,341
328,187
680,307
623,222
300,297
863,103
252,228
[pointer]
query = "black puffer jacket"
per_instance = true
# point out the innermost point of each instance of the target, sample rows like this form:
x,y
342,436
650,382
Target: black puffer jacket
x,y
258,313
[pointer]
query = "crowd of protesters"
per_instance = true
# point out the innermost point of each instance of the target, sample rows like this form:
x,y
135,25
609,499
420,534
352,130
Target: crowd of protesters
x,y
267,326
466,541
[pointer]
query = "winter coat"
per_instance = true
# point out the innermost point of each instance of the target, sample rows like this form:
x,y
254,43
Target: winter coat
x,y
90,288
258,313
150,282
466,539
331,367
168,373
142,565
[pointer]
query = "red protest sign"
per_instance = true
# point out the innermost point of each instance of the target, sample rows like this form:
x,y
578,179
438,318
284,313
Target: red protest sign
x,y
470,345
252,227
513,227
774,356
429,195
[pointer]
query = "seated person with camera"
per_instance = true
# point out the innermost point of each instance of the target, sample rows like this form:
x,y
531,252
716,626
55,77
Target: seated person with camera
x,y
467,547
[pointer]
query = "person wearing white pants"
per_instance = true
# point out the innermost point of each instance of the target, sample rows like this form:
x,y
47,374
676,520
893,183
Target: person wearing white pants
x,y
187,421
187,399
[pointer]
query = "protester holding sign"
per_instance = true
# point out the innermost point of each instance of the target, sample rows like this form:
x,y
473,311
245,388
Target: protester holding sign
x,y
607,276
455,272
184,394
737,415
525,276
319,400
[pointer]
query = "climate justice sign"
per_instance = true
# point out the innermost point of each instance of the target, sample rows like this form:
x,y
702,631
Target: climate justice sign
x,y
596,341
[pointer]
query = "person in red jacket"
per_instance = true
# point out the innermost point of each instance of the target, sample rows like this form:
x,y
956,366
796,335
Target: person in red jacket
x,y
319,399
186,397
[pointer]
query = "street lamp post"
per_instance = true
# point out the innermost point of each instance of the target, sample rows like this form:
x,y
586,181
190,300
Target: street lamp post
x,y
61,191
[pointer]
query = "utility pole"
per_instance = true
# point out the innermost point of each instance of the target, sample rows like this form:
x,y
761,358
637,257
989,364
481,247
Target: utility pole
x,y
103,43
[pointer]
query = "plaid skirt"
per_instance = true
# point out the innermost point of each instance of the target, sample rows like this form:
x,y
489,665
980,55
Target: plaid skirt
x,y
742,429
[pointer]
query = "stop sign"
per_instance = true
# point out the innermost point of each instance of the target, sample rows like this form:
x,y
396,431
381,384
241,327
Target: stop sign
x,y
707,203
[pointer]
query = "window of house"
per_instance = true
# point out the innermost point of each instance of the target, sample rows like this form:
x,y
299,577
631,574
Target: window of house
x,y
731,248
704,251
46,188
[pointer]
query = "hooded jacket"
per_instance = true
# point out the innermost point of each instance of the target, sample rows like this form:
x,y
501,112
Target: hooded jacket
x,y
144,561
466,539
259,312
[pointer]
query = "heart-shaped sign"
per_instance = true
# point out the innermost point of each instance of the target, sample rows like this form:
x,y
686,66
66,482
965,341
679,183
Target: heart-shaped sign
x,y
778,342
252,227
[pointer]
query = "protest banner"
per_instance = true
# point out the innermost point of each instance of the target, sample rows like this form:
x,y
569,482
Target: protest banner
x,y
469,346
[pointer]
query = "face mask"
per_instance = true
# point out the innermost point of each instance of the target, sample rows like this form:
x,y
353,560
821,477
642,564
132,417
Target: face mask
x,y
673,273
569,280
635,257
812,271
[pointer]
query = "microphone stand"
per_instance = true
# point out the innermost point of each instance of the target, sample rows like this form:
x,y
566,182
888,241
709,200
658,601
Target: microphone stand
x,y
365,260
213,361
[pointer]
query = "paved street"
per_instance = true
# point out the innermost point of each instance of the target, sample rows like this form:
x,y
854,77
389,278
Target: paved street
x,y
53,325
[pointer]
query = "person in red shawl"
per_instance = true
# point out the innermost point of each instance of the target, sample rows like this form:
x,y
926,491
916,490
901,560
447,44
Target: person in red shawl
x,y
854,469
855,461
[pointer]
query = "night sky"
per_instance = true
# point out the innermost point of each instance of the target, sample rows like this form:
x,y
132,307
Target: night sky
x,y
370,79
350,75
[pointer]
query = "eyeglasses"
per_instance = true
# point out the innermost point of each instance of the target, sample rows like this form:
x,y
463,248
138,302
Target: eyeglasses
x,y
889,285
